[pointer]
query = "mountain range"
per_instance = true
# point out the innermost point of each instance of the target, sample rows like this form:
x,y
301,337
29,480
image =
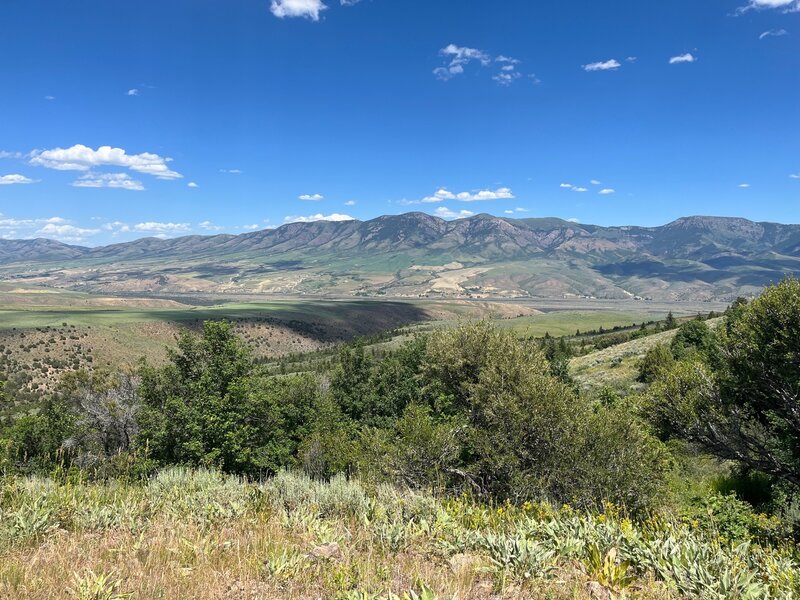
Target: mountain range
x,y
416,254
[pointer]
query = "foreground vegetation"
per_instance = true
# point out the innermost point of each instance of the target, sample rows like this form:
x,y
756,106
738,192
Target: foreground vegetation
x,y
485,471
192,534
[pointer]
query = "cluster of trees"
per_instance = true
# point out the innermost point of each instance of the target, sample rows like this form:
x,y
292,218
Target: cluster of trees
x,y
470,409
735,391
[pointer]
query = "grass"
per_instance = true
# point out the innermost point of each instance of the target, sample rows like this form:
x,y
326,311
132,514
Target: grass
x,y
198,534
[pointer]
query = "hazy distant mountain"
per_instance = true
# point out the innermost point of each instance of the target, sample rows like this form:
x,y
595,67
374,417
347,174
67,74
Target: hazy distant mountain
x,y
416,254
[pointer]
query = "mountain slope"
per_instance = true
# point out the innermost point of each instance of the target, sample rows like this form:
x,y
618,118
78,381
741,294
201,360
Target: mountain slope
x,y
417,254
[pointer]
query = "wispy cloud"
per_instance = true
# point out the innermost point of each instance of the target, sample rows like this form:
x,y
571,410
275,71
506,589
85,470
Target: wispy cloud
x,y
231,171
309,9
311,197
608,65
445,213
83,158
336,217
794,176
683,58
15,179
457,58
350,203
787,6
773,33
120,181
574,188
133,92
209,226
744,185
251,227
515,210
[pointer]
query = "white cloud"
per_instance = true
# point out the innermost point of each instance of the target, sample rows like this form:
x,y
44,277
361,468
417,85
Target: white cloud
x,y
311,197
209,226
350,203
444,194
683,58
516,210
231,171
319,217
788,6
773,33
14,179
83,158
574,188
120,181
459,57
579,189
445,213
66,233
607,191
595,182
251,227
50,98
156,227
566,185
744,185
507,78
6,154
573,220
192,184
794,176
116,227
349,2
609,65
309,9
631,59
133,92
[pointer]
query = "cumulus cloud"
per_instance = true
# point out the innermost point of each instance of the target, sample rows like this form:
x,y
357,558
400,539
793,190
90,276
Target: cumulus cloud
x,y
15,179
311,197
192,184
607,191
350,203
443,194
574,188
83,158
66,233
608,65
309,9
133,92
120,181
683,58
445,213
336,217
155,227
773,33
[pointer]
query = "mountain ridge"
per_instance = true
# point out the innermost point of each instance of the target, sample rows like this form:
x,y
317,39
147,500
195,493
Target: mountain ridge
x,y
413,254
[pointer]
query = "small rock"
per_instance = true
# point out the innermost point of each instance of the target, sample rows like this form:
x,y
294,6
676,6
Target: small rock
x,y
598,591
329,551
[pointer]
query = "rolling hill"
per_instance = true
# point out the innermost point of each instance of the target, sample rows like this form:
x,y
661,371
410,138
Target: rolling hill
x,y
415,254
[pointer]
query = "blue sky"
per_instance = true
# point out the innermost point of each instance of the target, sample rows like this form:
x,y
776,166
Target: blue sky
x,y
123,120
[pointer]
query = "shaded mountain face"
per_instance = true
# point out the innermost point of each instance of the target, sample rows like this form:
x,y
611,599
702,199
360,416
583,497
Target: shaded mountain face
x,y
417,254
